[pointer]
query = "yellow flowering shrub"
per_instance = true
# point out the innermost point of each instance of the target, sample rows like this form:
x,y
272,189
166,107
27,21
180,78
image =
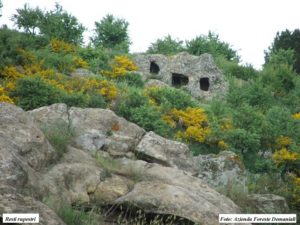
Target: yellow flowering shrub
x,y
283,142
80,63
296,116
226,124
58,46
120,66
192,122
104,87
10,86
27,56
284,156
295,190
4,97
222,144
10,72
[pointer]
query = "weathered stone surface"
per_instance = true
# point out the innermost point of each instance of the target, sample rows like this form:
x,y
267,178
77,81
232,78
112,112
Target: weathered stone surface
x,y
198,74
154,148
102,129
166,190
24,138
13,202
79,179
155,83
267,204
221,170
51,114
82,73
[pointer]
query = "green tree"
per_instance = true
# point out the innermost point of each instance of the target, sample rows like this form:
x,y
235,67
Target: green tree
x,y
51,24
211,44
166,46
60,24
28,18
111,33
286,40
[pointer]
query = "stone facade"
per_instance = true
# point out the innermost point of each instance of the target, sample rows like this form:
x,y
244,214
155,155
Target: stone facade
x,y
198,74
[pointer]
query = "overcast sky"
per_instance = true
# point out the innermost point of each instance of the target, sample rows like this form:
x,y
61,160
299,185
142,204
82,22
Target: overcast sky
x,y
248,25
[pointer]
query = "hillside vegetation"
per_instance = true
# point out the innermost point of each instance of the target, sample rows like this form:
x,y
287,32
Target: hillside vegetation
x,y
259,119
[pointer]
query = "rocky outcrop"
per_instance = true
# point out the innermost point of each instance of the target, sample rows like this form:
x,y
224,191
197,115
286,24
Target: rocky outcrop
x,y
224,169
81,72
94,129
267,204
154,148
100,166
170,191
102,129
198,74
155,83
13,202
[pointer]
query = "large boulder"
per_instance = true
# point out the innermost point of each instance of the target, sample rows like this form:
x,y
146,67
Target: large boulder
x,y
94,129
198,74
24,150
13,202
169,191
221,170
51,114
154,148
267,204
102,129
78,178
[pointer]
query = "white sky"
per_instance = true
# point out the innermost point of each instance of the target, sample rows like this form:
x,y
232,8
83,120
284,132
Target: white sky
x,y
248,25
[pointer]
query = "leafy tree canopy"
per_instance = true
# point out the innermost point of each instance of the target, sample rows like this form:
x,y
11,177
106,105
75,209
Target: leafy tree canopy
x,y
166,46
211,44
112,33
56,23
286,40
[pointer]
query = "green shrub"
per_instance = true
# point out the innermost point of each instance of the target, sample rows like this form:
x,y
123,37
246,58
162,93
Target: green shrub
x,y
132,79
166,46
58,134
62,62
149,118
10,43
169,98
232,68
96,101
76,216
211,44
33,92
76,99
134,98
97,58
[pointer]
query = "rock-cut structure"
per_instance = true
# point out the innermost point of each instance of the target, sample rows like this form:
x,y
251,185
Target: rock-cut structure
x,y
198,74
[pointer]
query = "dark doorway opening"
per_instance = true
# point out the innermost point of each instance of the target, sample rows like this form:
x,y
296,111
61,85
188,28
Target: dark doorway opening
x,y
204,83
179,79
154,68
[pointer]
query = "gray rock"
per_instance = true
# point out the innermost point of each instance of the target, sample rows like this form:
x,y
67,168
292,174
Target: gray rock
x,y
51,114
82,73
169,191
221,170
102,129
197,74
26,141
79,179
155,83
154,148
267,204
13,202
